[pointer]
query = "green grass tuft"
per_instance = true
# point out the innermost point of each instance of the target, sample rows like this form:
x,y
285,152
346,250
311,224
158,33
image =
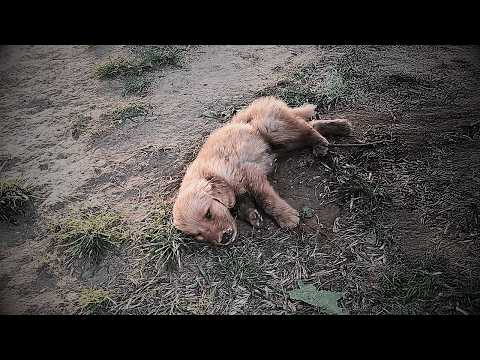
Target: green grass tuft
x,y
15,197
89,237
114,68
133,70
335,87
135,85
162,241
311,84
151,57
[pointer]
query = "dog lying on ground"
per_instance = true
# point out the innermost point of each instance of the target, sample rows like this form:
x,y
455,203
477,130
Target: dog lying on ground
x,y
236,160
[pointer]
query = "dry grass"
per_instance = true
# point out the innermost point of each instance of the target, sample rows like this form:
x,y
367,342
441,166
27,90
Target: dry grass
x,y
97,128
15,197
93,301
88,237
404,219
162,242
147,59
329,88
133,70
120,115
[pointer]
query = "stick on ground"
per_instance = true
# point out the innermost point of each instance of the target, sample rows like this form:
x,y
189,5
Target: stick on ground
x,y
361,144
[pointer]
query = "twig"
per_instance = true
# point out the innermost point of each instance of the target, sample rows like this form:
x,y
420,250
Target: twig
x,y
461,310
362,144
4,163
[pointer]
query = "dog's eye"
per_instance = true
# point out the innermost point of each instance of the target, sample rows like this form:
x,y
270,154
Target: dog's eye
x,y
208,215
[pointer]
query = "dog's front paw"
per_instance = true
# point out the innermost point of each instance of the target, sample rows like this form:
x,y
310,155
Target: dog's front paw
x,y
289,218
254,217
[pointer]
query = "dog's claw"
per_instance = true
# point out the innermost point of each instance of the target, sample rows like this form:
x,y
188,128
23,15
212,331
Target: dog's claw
x,y
254,218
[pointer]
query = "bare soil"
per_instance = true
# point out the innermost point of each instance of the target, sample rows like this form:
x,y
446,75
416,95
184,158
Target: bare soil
x,y
396,226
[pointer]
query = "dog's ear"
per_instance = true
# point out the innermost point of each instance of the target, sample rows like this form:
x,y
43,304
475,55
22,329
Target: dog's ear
x,y
221,191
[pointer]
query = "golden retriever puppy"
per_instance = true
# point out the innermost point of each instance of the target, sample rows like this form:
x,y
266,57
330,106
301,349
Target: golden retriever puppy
x,y
235,162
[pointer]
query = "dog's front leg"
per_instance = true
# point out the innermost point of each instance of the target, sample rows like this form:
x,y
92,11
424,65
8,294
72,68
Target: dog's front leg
x,y
256,182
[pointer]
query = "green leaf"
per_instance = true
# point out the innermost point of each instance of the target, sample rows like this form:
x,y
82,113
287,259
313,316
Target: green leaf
x,y
325,300
307,212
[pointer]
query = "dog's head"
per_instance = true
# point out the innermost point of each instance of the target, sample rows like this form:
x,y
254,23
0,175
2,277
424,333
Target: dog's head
x,y
202,211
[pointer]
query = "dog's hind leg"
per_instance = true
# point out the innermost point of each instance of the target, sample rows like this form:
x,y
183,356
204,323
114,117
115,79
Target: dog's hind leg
x,y
246,211
336,127
293,132
281,125
306,111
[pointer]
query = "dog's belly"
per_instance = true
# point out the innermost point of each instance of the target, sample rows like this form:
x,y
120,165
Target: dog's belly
x,y
236,145
256,151
253,150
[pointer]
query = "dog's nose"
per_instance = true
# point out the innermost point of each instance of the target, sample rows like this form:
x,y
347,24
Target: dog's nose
x,y
227,236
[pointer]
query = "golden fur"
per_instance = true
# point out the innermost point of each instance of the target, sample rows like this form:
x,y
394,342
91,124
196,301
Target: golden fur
x,y
236,159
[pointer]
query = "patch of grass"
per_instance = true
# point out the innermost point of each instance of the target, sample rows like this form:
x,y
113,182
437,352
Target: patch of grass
x,y
117,118
328,88
292,92
162,241
121,114
154,56
132,70
335,88
240,267
203,304
135,85
114,68
15,197
302,88
410,287
93,300
355,182
89,237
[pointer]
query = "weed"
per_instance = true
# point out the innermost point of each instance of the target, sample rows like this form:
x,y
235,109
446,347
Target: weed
x,y
114,68
292,92
151,57
121,114
335,88
135,85
162,240
90,236
93,300
133,70
15,197
117,118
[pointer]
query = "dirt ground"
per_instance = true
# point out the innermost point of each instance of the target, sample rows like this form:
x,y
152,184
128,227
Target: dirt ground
x,y
395,226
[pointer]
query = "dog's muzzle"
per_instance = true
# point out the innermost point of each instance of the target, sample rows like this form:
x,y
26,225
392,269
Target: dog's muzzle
x,y
227,237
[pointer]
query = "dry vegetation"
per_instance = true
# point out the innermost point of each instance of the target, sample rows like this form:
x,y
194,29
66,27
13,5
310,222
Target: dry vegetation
x,y
394,227
88,237
16,196
133,70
